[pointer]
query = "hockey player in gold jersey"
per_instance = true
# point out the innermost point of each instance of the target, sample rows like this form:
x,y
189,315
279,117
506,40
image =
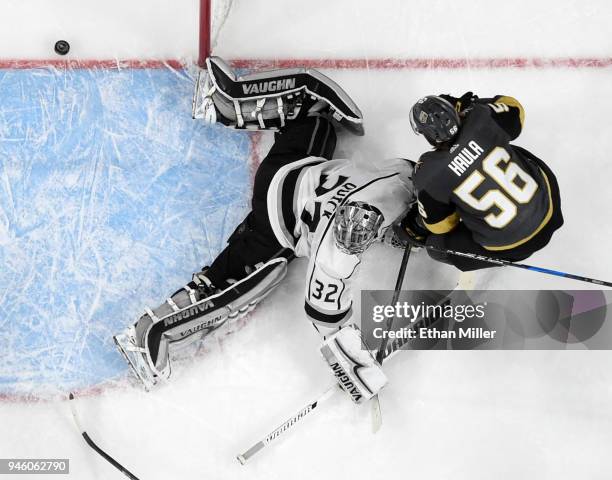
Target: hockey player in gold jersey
x,y
477,192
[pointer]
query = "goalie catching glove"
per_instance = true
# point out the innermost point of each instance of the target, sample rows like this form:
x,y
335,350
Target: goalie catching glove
x,y
267,100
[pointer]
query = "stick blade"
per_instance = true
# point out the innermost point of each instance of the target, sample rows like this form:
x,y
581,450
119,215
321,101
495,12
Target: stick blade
x,y
466,281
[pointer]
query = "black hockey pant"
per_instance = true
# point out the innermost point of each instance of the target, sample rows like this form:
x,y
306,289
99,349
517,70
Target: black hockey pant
x,y
254,241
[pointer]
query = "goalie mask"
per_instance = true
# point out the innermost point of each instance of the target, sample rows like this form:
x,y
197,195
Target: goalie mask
x,y
356,226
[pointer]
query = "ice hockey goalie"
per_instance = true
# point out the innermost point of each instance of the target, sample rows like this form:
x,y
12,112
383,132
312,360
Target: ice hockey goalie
x,y
304,204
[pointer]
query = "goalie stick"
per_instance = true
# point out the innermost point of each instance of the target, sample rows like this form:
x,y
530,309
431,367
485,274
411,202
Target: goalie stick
x,y
391,349
380,354
465,282
288,424
93,444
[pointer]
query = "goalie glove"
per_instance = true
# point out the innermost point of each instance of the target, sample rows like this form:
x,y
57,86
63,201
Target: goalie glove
x,y
268,100
352,363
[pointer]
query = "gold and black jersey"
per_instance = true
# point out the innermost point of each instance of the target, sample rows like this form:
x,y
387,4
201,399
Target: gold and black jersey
x,y
496,189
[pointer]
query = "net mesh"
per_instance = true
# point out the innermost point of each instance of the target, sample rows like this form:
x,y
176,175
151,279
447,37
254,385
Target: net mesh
x,y
220,10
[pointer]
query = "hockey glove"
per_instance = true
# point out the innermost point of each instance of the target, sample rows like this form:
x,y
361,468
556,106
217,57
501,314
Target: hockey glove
x,y
462,104
392,238
411,228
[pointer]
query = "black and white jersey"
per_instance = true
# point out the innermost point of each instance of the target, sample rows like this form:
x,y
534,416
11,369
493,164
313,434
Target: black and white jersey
x,y
302,202
501,195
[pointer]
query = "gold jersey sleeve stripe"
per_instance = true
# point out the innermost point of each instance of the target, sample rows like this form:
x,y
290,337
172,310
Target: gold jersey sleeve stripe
x,y
547,218
513,102
443,226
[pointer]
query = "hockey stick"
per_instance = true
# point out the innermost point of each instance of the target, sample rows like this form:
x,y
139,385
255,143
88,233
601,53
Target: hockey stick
x,y
398,343
380,354
93,445
287,425
396,293
507,263
390,351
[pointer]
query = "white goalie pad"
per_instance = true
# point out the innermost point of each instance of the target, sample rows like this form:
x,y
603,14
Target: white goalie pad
x,y
352,363
185,318
267,100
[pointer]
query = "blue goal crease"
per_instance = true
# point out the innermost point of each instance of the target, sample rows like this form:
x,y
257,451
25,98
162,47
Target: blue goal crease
x,y
110,197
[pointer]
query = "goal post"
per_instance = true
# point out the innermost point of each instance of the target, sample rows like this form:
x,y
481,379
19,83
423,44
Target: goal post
x,y
205,27
213,14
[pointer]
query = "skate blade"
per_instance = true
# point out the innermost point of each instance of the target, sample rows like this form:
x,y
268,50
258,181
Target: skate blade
x,y
146,382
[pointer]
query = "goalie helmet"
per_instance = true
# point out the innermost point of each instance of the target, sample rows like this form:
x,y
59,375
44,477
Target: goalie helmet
x,y
356,226
436,119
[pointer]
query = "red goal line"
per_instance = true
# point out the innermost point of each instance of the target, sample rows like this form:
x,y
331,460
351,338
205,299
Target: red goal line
x,y
428,63
331,64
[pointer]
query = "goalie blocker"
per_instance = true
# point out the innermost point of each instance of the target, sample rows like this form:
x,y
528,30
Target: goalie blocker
x,y
190,315
353,364
267,100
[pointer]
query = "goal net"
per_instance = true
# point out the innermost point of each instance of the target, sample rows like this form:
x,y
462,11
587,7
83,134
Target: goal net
x,y
213,14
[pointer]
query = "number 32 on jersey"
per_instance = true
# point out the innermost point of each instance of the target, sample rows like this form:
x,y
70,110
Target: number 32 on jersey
x,y
504,173
325,291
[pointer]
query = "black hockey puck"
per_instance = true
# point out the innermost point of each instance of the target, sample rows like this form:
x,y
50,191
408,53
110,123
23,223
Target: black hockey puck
x,y
62,47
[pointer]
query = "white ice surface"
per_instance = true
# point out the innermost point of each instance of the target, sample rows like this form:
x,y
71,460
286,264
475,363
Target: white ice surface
x,y
314,29
416,28
448,415
99,30
455,415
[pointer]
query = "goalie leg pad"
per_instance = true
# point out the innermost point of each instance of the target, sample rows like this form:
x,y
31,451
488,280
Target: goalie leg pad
x,y
356,369
267,100
185,318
